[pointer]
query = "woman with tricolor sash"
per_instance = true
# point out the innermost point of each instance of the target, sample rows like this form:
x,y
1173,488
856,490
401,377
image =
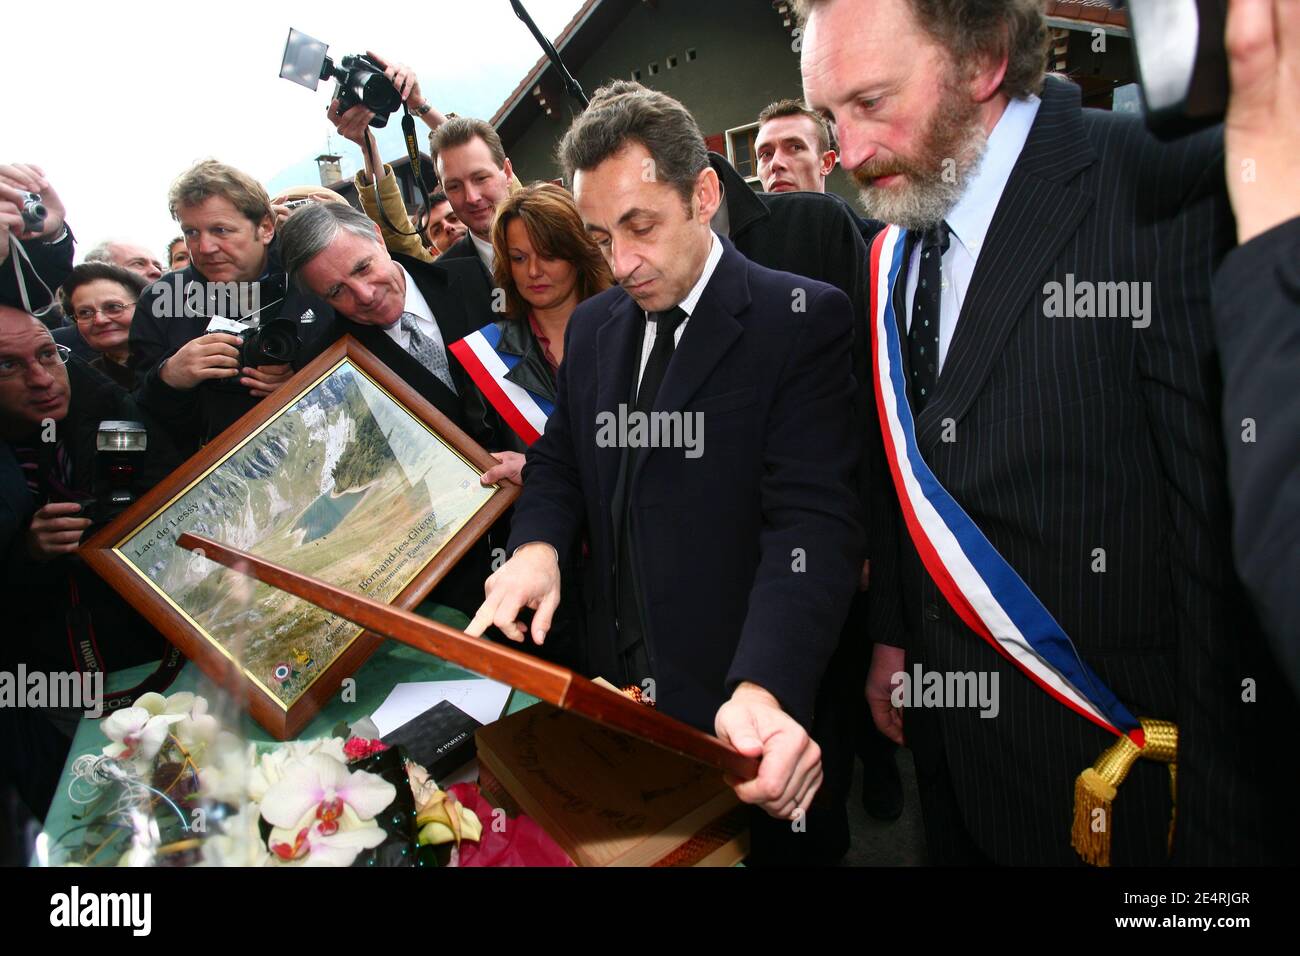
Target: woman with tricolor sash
x,y
545,266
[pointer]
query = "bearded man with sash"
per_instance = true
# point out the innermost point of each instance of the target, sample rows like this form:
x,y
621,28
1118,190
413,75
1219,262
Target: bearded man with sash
x,y
1044,370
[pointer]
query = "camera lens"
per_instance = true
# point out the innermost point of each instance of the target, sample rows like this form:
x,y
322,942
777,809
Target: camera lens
x,y
279,347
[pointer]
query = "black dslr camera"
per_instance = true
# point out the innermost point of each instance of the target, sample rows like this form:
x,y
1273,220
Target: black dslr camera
x,y
272,343
359,78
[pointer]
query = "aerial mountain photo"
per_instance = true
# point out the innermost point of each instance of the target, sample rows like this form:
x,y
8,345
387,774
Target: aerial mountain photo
x,y
344,485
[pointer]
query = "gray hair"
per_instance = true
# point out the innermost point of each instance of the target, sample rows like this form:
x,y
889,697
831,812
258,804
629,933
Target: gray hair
x,y
309,230
102,252
624,112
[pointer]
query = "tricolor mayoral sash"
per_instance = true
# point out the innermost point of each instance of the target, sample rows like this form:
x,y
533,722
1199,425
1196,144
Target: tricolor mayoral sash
x,y
985,591
524,411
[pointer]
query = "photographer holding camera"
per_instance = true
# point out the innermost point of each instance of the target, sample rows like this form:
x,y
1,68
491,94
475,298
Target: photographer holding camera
x,y
32,215
472,167
214,339
59,615
352,122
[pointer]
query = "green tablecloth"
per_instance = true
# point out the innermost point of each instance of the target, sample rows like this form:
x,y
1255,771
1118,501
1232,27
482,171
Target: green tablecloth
x,y
393,663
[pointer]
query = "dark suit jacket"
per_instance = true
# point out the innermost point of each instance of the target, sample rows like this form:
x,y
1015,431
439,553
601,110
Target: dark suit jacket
x,y
464,248
718,538
818,235
1077,434
460,304
1257,318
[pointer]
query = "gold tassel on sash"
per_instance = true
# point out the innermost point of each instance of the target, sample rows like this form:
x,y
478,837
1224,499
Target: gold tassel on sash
x,y
1096,787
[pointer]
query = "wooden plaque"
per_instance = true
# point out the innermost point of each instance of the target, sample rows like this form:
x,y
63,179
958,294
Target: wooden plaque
x,y
549,682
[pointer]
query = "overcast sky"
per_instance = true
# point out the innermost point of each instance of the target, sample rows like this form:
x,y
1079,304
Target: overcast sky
x,y
113,100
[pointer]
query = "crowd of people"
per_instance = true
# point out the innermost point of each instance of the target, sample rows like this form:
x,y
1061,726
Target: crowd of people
x,y
908,466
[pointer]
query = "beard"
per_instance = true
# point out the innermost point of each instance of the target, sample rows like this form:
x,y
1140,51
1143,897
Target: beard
x,y
952,145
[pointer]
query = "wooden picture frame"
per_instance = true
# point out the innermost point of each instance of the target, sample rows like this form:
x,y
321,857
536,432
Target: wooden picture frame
x,y
593,700
272,481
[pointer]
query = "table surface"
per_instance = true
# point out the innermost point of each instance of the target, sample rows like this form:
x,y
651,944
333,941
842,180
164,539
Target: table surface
x,y
392,663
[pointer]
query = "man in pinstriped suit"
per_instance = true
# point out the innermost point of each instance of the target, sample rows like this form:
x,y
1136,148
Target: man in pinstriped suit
x,y
1060,365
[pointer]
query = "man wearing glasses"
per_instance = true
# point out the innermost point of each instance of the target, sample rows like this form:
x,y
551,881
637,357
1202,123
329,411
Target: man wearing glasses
x,y
59,616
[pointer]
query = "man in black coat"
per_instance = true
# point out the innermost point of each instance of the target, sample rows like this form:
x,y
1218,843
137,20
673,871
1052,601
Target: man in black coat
x,y
189,326
1081,439
60,616
404,311
727,559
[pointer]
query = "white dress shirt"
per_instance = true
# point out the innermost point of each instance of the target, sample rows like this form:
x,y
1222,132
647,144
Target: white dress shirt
x,y
425,320
486,253
969,220
687,305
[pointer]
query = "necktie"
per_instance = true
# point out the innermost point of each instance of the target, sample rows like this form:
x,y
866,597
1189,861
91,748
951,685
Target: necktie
x,y
634,653
661,354
923,332
427,352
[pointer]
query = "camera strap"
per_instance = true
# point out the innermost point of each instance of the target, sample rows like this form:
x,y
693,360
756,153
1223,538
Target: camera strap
x,y
87,657
15,251
413,154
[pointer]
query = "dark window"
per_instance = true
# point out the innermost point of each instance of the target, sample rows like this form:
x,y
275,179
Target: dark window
x,y
690,55
672,63
654,69
742,151
636,75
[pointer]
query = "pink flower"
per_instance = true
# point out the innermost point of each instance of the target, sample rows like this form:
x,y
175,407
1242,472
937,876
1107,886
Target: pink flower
x,y
359,748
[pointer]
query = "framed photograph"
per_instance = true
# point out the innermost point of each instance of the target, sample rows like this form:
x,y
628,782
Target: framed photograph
x,y
346,474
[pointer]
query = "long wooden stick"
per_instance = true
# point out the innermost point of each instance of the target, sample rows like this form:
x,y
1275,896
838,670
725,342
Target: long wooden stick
x,y
549,682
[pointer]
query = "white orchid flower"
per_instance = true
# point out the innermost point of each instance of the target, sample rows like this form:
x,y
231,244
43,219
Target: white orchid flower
x,y
322,785
335,841
137,735
271,767
158,705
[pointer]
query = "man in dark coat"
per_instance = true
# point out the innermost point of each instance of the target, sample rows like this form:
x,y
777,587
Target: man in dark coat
x,y
1076,433
60,616
702,587
189,326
